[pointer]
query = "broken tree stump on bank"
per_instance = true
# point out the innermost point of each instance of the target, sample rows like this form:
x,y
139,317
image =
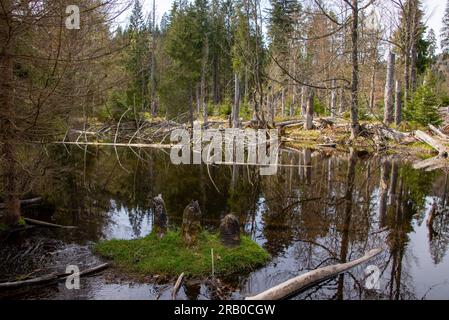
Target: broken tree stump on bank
x,y
191,223
230,231
160,220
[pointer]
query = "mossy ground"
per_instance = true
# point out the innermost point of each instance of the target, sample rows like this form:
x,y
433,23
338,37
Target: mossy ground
x,y
312,138
170,257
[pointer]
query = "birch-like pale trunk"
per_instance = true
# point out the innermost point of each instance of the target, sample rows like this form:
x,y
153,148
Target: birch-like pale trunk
x,y
236,106
304,94
309,112
398,104
334,99
389,89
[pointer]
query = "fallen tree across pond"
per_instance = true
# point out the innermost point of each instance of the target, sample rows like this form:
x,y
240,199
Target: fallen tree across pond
x,y
287,289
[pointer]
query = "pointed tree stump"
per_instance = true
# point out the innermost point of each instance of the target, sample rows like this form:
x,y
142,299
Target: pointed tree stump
x,y
160,220
230,231
191,223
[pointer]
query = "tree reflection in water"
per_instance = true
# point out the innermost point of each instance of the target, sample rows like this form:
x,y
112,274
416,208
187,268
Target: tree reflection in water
x,y
320,209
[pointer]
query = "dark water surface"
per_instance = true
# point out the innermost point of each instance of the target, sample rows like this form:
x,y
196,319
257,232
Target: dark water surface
x,y
320,209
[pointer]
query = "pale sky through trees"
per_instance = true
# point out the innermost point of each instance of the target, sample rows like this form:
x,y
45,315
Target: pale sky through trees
x,y
434,11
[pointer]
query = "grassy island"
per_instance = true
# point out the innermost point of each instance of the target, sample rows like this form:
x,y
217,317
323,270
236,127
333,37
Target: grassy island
x,y
170,257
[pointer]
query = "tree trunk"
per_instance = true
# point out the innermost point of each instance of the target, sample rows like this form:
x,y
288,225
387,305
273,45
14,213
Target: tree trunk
x,y
398,104
191,111
293,104
383,198
153,63
203,82
7,116
309,113
342,107
406,52
389,86
283,103
355,126
304,94
413,45
334,99
372,101
236,107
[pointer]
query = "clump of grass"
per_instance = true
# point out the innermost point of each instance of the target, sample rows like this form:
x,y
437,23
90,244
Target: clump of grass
x,y
170,257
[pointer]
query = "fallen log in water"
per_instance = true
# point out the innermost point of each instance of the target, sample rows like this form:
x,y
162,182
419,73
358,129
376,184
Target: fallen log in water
x,y
51,277
286,289
424,137
27,202
40,280
86,272
46,224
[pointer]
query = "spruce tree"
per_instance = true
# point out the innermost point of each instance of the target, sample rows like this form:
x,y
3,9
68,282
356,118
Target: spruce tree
x,y
432,43
424,108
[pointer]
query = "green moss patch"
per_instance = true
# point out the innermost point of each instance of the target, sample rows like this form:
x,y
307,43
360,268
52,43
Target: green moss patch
x,y
170,257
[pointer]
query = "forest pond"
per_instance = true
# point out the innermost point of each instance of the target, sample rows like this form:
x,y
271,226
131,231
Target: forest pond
x,y
321,208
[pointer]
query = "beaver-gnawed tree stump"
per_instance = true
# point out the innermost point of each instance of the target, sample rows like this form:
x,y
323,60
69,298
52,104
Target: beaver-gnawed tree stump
x,y
191,223
230,231
160,217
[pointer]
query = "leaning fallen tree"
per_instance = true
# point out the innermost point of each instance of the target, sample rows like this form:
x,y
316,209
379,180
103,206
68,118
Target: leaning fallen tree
x,y
287,289
434,143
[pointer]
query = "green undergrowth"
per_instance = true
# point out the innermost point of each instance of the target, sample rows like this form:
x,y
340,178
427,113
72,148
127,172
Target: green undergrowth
x,y
170,257
7,228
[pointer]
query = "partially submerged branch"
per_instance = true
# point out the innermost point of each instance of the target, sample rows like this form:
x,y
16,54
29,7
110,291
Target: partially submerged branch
x,y
286,289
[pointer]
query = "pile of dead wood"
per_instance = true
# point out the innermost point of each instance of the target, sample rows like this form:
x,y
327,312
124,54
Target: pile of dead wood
x,y
438,141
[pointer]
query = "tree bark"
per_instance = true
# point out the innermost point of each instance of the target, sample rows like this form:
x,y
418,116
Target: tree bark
x,y
309,112
342,107
389,89
355,126
304,93
334,99
153,63
7,116
398,104
283,103
236,107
